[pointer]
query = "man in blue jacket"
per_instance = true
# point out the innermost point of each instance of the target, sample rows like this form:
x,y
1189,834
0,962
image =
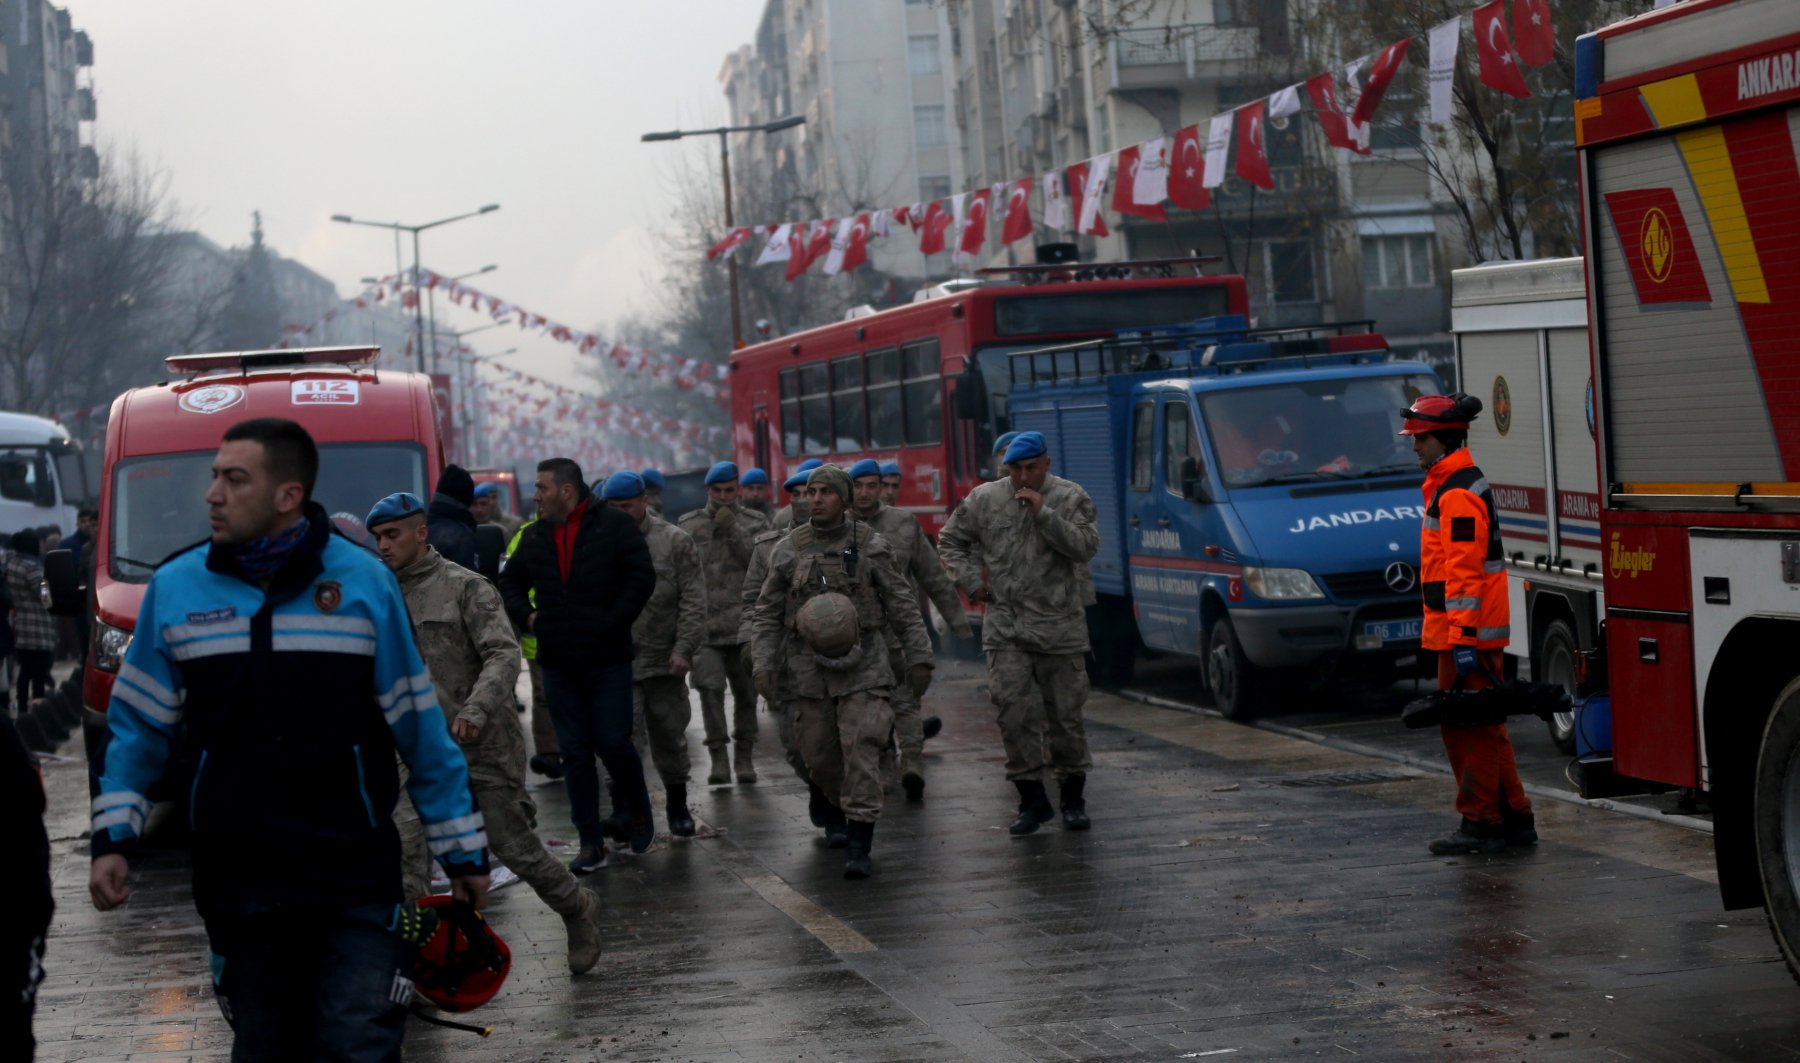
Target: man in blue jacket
x,y
286,654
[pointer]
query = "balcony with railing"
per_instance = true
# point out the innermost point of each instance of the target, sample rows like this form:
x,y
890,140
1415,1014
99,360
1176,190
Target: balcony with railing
x,y
1159,57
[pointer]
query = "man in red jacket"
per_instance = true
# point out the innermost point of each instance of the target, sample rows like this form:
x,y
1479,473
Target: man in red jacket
x,y
1464,582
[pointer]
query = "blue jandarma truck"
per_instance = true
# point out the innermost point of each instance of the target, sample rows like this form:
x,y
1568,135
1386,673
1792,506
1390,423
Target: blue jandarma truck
x,y
1256,508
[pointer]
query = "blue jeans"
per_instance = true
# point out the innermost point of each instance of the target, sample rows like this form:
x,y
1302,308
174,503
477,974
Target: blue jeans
x,y
297,985
592,708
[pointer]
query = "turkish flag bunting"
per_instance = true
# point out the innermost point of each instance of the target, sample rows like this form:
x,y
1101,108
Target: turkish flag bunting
x,y
1187,171
818,244
1252,146
1499,70
932,228
857,251
796,260
1387,64
732,241
1078,180
1018,212
1532,31
975,224
1331,114
1130,159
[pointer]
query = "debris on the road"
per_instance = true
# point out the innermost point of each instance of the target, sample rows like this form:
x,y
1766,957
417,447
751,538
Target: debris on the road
x,y
1227,788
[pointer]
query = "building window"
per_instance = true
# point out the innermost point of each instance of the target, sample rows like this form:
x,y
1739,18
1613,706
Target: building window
x,y
1398,261
928,127
931,188
1291,275
1234,12
922,55
847,403
886,426
924,393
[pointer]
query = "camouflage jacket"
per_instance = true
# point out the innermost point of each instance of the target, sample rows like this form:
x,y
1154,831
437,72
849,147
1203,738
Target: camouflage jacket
x,y
1036,566
753,581
918,560
674,619
783,520
724,556
804,562
469,648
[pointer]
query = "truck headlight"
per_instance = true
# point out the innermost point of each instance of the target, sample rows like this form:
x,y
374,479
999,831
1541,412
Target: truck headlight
x,y
110,644
1281,584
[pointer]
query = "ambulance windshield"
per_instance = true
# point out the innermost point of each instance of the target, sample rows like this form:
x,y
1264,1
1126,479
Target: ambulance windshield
x,y
1313,430
159,502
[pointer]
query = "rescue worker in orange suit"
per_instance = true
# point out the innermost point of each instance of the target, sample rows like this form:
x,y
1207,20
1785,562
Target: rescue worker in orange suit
x,y
1464,583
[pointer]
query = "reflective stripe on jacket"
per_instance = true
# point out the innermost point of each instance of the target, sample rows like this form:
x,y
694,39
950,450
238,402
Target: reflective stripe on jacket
x,y
1460,560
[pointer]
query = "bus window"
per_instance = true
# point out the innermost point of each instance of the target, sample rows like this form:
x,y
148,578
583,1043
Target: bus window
x,y
761,439
815,409
886,428
847,403
924,396
790,412
1143,425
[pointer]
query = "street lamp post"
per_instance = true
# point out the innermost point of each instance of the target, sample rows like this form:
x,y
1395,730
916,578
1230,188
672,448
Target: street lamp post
x,y
737,325
418,308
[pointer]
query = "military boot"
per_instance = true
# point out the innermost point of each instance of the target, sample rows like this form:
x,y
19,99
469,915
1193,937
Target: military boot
x,y
932,726
835,828
1034,807
861,840
817,804
1469,837
720,774
746,767
584,933
912,776
681,821
1074,806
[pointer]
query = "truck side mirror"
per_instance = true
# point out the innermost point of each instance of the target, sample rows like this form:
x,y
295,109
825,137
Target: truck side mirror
x,y
1193,486
62,581
970,398
490,545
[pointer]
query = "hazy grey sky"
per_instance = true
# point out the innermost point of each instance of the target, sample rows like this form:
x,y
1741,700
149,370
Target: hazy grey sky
x,y
408,110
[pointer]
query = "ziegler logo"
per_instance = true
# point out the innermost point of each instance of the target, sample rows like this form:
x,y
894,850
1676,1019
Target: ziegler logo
x,y
1620,559
1657,244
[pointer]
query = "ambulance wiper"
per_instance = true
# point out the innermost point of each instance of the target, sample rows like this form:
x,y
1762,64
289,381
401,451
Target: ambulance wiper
x,y
1304,477
1388,470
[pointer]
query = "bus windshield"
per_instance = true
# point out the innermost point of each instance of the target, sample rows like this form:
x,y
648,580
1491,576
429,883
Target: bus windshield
x,y
159,502
1312,430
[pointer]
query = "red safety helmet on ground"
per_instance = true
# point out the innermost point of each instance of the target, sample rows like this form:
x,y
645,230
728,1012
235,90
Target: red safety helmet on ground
x,y
463,963
1439,413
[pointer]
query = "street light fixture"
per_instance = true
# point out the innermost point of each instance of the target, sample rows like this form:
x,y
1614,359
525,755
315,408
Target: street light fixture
x,y
397,228
737,325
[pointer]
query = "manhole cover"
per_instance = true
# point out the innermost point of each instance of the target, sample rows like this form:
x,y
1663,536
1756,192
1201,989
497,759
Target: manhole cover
x,y
1345,778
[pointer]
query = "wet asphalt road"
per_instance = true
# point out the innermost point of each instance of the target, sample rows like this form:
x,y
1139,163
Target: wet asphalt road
x,y
1245,894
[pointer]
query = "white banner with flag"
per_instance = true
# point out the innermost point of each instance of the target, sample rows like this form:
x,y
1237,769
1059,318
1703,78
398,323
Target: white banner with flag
x,y
1098,168
1445,37
1218,147
1150,184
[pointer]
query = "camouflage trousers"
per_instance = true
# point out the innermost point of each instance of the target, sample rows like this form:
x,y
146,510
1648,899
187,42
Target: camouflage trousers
x,y
663,713
909,718
511,821
717,668
841,740
543,730
1040,696
784,714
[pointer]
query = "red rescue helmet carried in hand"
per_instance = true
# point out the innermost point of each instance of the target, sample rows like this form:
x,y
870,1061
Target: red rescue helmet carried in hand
x,y
464,963
1440,413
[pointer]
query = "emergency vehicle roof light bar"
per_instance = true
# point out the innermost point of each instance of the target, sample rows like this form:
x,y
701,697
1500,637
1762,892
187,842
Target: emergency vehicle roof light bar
x,y
247,360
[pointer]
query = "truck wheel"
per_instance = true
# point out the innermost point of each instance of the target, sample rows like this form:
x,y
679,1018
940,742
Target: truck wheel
x,y
1236,684
1776,813
1555,663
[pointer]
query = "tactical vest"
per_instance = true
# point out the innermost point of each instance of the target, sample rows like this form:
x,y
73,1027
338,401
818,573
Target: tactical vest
x,y
844,571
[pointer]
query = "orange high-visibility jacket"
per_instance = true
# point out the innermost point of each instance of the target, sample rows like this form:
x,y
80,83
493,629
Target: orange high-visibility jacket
x,y
1462,570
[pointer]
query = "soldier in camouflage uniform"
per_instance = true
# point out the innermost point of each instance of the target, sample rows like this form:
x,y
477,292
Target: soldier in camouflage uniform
x,y
667,637
890,483
795,511
843,718
723,532
754,487
469,648
653,489
781,705
917,560
1034,533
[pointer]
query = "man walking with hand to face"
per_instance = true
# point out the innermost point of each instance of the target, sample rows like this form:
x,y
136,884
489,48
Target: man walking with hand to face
x,y
285,653
724,532
473,657
1033,533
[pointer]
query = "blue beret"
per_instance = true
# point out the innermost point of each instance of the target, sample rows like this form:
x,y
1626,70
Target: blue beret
x,y
489,490
725,472
624,484
753,476
392,508
809,465
796,481
890,468
652,478
865,467
1025,445
1004,441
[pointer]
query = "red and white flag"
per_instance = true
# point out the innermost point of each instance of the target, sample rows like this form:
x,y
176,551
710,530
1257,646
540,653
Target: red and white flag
x,y
1499,70
1187,171
797,259
1381,75
1218,148
733,240
856,251
1124,200
975,223
840,243
936,223
779,246
1331,114
1099,171
1017,225
1079,186
1056,203
1532,32
1253,147
818,241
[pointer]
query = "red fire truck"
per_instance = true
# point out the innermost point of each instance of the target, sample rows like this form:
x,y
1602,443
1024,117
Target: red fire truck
x,y
1685,120
926,383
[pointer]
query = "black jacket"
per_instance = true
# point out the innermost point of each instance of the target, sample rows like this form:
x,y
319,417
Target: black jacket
x,y
450,527
586,620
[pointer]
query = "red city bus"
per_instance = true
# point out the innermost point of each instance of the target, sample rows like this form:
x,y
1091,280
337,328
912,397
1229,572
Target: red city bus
x,y
883,384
